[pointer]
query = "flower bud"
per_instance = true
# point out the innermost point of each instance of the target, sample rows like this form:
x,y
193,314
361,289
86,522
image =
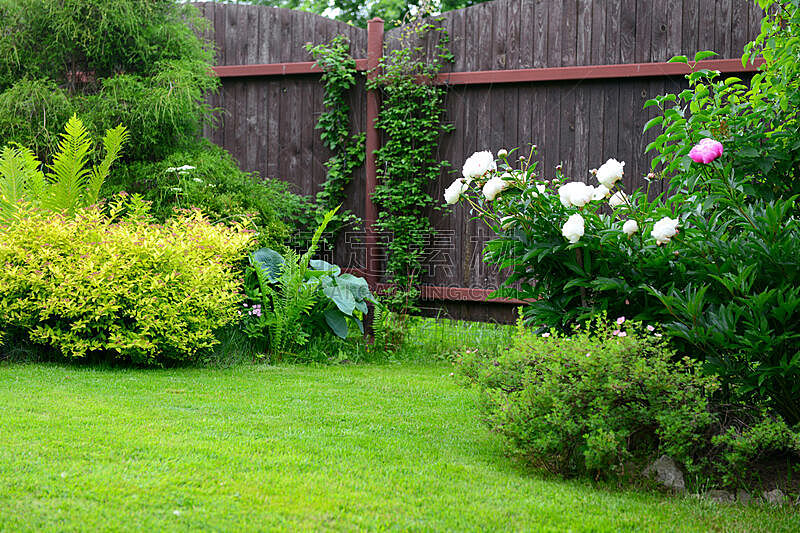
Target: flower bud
x,y
502,153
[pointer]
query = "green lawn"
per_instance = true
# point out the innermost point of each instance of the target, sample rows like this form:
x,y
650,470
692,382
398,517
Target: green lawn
x,y
378,447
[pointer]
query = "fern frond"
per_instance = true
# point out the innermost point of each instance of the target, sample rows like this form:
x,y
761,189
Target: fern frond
x,y
68,173
20,179
112,146
315,239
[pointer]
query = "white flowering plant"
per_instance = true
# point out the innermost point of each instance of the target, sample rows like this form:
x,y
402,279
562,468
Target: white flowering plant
x,y
572,248
715,260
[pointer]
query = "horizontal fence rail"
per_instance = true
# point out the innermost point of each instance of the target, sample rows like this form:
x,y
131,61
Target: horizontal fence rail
x,y
482,77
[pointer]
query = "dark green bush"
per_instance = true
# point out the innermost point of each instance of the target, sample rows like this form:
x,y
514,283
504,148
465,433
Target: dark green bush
x,y
33,113
140,63
78,42
132,62
219,188
592,401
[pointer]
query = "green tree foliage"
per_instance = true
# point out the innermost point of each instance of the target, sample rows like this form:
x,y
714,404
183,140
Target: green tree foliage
x,y
358,12
133,62
140,63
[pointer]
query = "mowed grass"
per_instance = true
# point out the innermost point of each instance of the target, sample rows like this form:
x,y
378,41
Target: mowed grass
x,y
374,447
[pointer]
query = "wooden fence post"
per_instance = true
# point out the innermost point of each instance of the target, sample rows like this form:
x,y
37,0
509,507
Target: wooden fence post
x,y
374,54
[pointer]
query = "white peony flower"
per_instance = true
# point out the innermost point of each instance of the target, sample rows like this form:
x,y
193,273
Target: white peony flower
x,y
575,194
455,190
664,230
617,199
600,192
610,172
630,227
502,153
478,164
495,186
541,187
573,228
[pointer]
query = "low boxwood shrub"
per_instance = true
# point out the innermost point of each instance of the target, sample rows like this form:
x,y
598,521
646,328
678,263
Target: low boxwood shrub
x,y
112,284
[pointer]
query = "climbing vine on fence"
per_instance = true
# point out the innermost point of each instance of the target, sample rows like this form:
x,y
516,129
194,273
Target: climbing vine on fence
x,y
411,119
334,123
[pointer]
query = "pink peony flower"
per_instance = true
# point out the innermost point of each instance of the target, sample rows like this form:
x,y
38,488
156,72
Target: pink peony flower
x,y
622,334
650,328
621,320
615,332
706,151
545,334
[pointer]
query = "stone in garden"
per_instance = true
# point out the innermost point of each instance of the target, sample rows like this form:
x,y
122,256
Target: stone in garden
x,y
666,472
775,497
743,497
720,496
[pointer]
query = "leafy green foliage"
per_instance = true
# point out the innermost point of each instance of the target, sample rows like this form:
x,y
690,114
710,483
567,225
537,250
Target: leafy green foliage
x,y
32,113
411,120
220,189
358,12
78,42
71,184
295,298
598,400
592,401
117,286
334,123
725,286
745,444
140,63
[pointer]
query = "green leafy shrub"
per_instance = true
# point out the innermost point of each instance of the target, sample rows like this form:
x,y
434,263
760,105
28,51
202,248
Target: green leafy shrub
x,y
295,298
592,401
142,63
715,261
751,439
32,113
134,62
207,177
70,183
609,397
118,286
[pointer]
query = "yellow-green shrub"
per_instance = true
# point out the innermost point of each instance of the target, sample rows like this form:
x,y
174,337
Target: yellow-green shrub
x,y
120,286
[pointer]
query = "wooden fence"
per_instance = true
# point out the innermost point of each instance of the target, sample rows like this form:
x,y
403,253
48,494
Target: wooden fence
x,y
570,76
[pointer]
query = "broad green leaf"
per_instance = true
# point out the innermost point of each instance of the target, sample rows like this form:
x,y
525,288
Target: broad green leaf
x,y
269,262
337,321
342,297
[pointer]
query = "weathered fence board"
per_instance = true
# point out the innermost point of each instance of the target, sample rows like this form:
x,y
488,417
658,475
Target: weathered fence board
x,y
268,121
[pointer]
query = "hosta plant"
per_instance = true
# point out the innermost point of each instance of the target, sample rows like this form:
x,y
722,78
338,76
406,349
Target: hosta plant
x,y
294,298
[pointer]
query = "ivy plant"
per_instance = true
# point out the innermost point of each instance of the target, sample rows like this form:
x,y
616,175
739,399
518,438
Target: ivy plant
x,y
335,126
411,119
